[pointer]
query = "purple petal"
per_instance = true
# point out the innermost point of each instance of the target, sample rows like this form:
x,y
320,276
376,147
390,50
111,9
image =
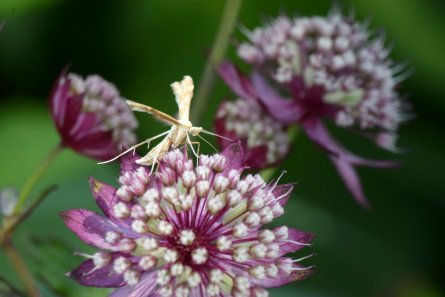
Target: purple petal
x,y
73,110
317,132
386,141
284,110
343,160
283,279
262,87
339,156
256,157
283,192
299,239
104,195
128,162
84,125
237,82
356,160
234,156
350,179
105,277
58,99
146,287
90,227
99,146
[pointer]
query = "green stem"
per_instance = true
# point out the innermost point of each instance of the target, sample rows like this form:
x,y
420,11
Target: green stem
x,y
268,174
219,48
11,223
20,267
34,178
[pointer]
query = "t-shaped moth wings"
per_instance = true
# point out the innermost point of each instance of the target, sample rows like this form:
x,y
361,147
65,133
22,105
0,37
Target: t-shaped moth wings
x,y
181,128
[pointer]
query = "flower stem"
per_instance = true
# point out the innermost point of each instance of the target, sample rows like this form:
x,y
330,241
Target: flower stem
x,y
268,174
220,44
21,269
34,178
11,223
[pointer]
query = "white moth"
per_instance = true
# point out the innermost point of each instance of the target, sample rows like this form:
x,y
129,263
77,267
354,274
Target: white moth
x,y
181,128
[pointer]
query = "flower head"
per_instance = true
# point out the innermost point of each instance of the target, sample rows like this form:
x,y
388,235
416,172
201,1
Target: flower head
x,y
91,117
355,79
324,68
264,140
188,230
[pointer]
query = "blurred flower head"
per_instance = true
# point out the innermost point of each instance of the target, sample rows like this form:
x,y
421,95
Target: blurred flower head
x,y
265,141
338,59
91,117
310,69
188,230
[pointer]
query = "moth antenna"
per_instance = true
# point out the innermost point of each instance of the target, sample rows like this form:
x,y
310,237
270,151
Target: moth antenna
x,y
207,142
217,135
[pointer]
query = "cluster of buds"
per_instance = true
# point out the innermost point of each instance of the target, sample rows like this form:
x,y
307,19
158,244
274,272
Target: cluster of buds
x,y
188,230
91,117
265,140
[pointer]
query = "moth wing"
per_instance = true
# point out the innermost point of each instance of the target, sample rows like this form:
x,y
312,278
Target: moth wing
x,y
159,115
183,91
156,153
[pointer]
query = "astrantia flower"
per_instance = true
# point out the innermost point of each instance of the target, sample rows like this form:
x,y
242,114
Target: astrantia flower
x,y
265,141
335,54
188,231
331,68
91,117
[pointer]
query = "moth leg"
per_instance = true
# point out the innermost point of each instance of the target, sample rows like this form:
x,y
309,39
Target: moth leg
x,y
134,147
154,163
191,145
198,150
199,146
155,160
162,149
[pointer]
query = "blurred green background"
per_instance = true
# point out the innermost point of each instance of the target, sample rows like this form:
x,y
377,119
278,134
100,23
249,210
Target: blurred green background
x,y
142,46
